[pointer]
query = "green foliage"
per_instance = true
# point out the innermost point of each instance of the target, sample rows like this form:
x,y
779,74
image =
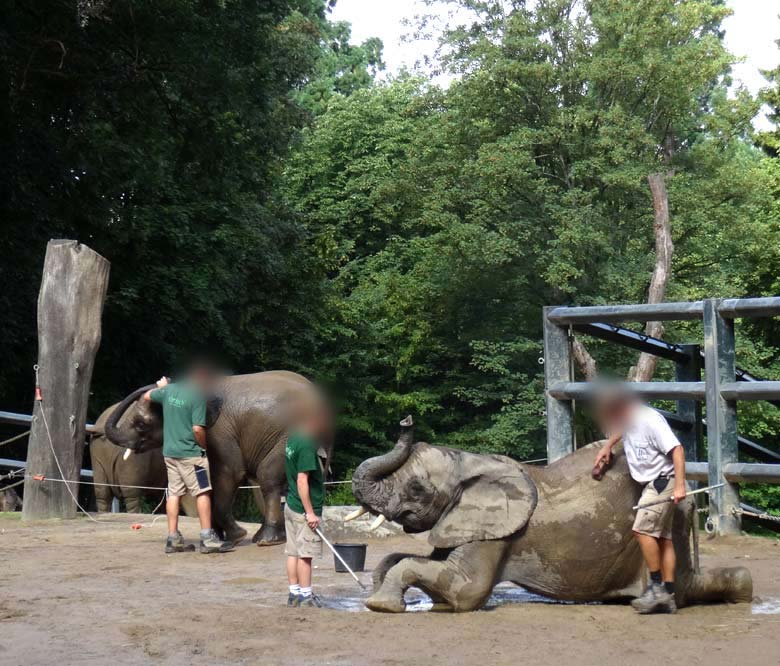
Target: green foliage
x,y
257,192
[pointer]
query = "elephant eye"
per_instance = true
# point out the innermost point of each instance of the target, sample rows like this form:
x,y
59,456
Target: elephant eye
x,y
417,488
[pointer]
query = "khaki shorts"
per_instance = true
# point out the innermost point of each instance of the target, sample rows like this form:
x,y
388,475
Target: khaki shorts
x,y
188,475
302,540
656,521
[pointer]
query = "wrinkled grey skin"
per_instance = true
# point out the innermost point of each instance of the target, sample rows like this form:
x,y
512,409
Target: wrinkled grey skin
x,y
10,501
245,441
145,468
554,530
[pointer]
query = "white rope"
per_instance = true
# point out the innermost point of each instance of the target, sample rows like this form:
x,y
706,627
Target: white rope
x,y
59,467
12,474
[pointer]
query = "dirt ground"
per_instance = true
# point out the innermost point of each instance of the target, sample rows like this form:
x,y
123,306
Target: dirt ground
x,y
80,593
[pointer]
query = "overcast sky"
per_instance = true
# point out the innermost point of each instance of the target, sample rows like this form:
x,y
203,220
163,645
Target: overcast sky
x,y
750,33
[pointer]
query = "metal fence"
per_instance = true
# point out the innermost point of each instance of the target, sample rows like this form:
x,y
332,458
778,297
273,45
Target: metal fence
x,y
724,384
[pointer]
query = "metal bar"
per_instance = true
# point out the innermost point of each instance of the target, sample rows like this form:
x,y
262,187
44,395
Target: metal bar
x,y
652,390
689,370
750,391
617,313
736,472
338,555
721,416
752,473
633,340
557,368
15,419
749,307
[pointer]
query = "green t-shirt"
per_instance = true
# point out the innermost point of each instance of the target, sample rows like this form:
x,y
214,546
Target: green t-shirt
x,y
300,455
183,407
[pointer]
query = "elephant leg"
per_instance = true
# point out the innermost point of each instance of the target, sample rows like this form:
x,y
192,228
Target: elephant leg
x,y
133,501
269,477
103,494
188,506
731,584
463,580
227,471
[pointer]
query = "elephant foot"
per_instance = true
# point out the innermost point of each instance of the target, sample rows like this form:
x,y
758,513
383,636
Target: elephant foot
x,y
270,534
385,603
233,534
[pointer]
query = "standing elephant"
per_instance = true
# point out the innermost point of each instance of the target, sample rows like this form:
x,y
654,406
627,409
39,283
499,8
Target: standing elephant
x,y
147,468
554,530
248,418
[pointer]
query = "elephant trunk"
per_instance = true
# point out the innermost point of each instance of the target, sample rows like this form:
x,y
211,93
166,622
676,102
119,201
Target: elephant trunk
x,y
369,478
113,432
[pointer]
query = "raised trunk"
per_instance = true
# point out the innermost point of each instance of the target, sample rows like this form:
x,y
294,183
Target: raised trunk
x,y
127,438
368,477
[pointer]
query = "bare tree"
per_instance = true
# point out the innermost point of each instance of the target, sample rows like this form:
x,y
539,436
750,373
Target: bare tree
x,y
664,248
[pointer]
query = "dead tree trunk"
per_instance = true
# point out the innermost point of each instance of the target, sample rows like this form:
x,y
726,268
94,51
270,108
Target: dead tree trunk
x,y
645,368
664,248
70,305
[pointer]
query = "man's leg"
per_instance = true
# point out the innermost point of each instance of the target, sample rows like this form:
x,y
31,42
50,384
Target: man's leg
x,y
651,551
203,505
292,570
668,563
172,505
304,574
658,598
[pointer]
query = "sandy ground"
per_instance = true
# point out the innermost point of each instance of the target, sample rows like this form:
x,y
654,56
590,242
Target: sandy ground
x,y
80,593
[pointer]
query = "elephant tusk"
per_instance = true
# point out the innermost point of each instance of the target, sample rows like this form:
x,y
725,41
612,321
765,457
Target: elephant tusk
x,y
377,522
355,514
127,454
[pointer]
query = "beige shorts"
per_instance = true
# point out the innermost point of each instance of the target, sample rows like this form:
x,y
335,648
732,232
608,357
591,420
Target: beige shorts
x,y
188,475
656,521
302,540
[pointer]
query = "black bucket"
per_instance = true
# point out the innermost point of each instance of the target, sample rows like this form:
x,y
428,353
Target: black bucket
x,y
354,555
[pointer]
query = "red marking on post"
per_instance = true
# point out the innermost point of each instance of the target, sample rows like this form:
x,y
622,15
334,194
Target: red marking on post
x,y
39,477
136,526
38,395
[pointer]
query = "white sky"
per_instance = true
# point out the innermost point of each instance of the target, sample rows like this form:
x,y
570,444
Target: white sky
x,y
750,33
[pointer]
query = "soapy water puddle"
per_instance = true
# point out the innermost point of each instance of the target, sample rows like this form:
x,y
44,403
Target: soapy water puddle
x,y
417,601
767,607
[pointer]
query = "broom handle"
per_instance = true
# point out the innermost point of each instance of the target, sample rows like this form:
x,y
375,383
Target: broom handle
x,y
671,499
338,555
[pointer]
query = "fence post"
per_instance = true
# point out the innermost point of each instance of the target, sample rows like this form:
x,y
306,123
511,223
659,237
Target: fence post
x,y
557,368
690,410
70,305
719,369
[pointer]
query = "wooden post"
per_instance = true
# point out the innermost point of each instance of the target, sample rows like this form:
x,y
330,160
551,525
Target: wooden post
x,y
719,369
557,368
70,305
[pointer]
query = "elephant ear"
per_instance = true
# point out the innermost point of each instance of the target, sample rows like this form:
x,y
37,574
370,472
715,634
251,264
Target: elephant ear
x,y
497,499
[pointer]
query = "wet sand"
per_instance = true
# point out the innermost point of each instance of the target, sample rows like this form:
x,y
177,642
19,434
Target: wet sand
x,y
79,593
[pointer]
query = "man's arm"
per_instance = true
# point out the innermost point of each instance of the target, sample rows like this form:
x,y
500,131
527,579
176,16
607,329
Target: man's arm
x,y
161,383
303,493
678,458
605,452
200,435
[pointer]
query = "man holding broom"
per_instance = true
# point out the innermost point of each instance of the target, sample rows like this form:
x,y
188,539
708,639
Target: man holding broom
x,y
656,460
303,508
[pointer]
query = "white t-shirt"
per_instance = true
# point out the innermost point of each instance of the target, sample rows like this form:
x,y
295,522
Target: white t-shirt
x,y
647,442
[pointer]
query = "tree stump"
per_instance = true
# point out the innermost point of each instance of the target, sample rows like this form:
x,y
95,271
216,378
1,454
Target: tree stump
x,y
70,305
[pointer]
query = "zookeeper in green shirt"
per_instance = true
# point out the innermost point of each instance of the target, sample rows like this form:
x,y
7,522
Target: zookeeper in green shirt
x,y
184,450
303,509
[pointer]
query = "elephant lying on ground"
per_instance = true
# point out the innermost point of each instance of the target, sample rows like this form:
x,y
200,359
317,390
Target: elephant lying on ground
x,y
554,530
248,418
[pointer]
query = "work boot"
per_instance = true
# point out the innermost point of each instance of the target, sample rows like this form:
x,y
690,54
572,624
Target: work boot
x,y
655,600
175,544
213,544
310,601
